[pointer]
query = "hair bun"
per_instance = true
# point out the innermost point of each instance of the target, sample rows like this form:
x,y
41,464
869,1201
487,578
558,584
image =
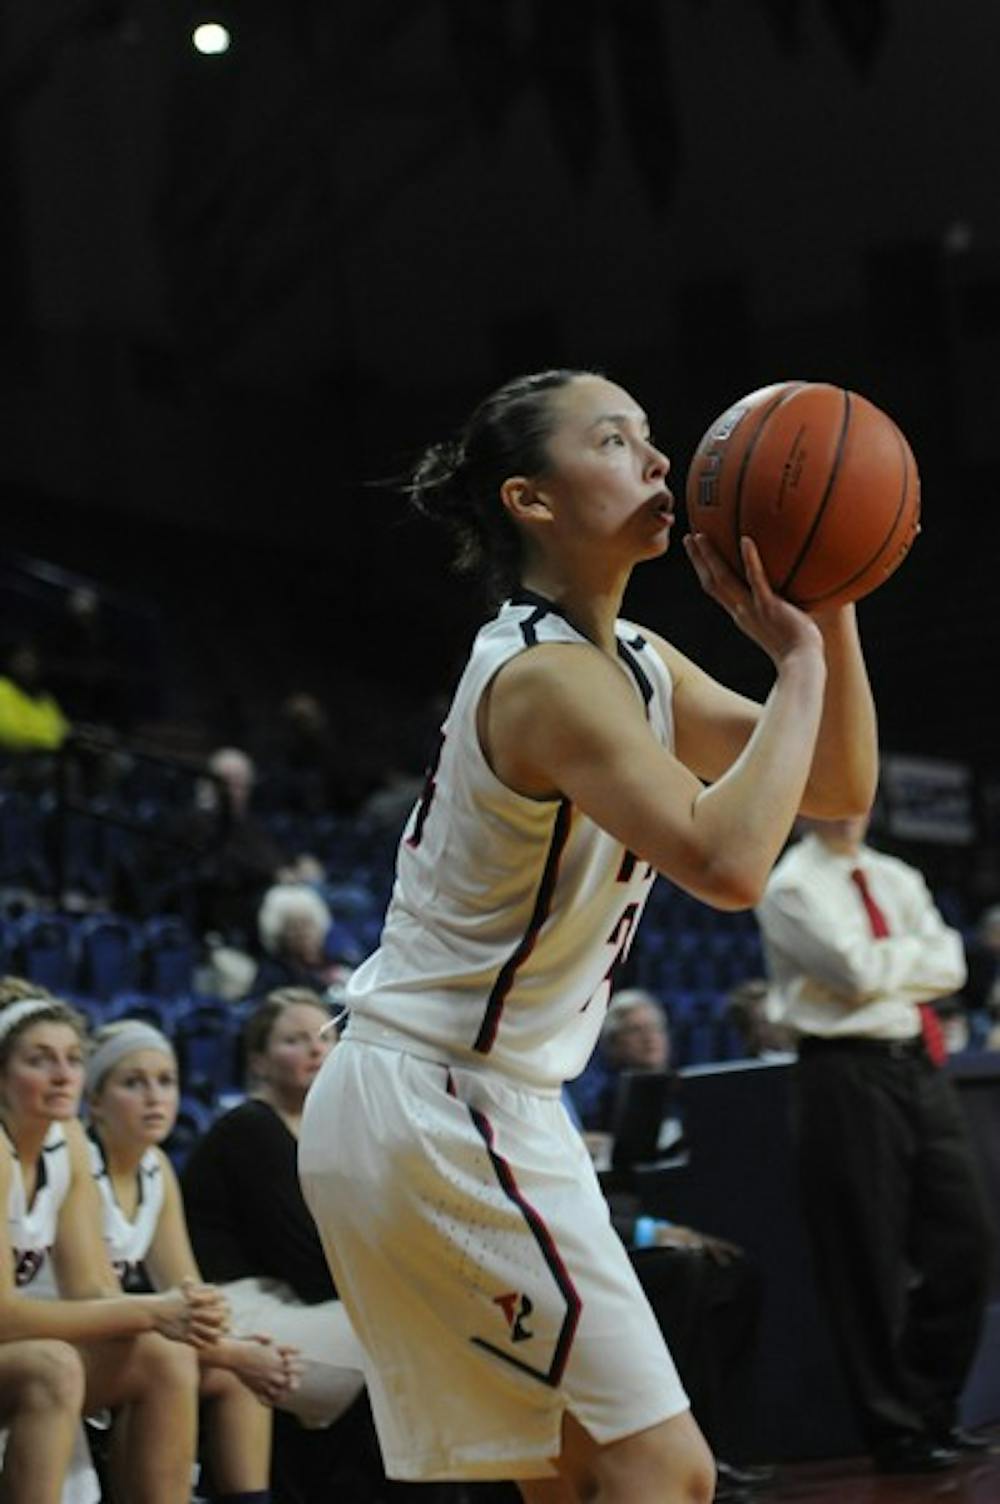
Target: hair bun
x,y
438,486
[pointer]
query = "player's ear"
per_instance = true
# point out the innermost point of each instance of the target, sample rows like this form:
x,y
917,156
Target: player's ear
x,y
522,500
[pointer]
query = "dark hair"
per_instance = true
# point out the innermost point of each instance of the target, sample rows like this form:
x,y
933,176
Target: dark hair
x,y
258,1027
457,482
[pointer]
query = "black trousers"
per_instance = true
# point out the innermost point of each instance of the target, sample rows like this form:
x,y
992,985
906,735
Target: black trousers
x,y
899,1229
709,1314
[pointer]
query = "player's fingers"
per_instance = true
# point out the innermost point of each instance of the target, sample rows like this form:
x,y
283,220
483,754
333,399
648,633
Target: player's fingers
x,y
714,574
760,585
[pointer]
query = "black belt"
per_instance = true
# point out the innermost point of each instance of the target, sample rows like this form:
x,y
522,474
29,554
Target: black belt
x,y
857,1044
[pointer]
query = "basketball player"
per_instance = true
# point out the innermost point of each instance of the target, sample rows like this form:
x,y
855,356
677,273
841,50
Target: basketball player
x,y
506,1334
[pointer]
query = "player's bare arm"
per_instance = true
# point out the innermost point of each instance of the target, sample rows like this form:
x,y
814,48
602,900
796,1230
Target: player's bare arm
x,y
713,723
564,719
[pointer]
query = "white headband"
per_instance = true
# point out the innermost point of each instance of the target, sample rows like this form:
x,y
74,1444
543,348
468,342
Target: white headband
x,y
127,1041
25,1007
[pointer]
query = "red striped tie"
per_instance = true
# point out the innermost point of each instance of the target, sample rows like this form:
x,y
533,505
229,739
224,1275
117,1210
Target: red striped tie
x,y
930,1024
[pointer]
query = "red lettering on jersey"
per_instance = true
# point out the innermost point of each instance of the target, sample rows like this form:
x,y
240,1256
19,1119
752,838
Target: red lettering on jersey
x,y
426,797
508,1305
621,939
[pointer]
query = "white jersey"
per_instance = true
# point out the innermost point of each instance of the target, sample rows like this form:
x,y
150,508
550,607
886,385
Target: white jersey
x,y
32,1229
509,915
128,1241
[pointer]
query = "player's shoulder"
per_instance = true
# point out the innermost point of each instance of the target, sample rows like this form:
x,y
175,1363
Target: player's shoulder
x,y
552,676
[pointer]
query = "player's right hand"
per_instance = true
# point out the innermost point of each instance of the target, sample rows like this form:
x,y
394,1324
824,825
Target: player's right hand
x,y
767,619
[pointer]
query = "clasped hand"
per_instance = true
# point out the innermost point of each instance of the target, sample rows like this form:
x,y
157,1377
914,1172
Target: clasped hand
x,y
194,1313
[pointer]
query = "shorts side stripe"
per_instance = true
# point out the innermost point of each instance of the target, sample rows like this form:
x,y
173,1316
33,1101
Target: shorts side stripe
x,y
550,1254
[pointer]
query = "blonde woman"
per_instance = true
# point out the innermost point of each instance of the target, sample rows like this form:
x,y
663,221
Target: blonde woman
x,y
104,1350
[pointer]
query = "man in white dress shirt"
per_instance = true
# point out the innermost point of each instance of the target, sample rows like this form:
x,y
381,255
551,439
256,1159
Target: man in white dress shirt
x,y
856,951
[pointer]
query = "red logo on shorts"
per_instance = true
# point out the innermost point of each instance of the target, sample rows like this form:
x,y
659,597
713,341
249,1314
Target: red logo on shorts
x,y
516,1308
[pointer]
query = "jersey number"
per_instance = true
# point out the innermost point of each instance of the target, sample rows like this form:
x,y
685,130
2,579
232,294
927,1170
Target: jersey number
x,y
426,798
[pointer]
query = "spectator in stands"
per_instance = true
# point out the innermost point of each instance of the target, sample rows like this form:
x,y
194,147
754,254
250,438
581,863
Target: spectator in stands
x,y
252,1233
132,1098
302,760
635,1036
856,950
30,717
233,856
304,946
85,675
57,1284
752,1011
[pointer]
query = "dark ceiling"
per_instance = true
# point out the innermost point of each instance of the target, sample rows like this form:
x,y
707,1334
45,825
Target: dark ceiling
x,y
238,290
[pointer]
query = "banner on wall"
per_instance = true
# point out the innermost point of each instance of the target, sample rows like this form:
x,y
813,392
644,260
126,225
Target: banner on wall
x,y
928,799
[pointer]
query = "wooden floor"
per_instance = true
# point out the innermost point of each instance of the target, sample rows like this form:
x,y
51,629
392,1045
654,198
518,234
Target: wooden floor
x,y
976,1480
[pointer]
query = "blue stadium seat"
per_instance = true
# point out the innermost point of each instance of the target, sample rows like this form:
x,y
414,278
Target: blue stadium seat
x,y
349,900
164,1013
169,956
109,955
207,1039
46,950
194,1117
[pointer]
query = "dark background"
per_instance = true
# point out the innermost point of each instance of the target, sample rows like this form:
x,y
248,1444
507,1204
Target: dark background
x,y
238,291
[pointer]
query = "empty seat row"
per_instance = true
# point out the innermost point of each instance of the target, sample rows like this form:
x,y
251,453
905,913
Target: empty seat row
x,y
99,955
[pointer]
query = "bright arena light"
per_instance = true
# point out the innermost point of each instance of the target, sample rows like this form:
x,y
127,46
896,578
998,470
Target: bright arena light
x,y
210,39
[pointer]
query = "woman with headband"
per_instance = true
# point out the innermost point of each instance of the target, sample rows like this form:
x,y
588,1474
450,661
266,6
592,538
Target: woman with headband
x,y
132,1094
57,1285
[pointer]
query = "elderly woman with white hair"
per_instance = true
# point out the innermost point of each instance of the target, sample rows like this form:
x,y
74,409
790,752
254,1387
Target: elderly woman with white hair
x,y
304,946
635,1036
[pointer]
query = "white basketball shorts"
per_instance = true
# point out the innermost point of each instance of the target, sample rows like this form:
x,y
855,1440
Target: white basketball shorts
x,y
474,1251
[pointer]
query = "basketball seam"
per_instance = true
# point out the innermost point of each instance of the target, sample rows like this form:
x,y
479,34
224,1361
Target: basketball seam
x,y
748,451
824,500
817,600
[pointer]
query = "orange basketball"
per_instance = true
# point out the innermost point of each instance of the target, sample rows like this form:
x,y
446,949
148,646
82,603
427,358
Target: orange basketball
x,y
821,479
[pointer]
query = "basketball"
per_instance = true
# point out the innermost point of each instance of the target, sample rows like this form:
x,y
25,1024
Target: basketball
x,y
820,478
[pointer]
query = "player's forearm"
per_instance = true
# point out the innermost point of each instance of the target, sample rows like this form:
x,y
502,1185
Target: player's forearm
x,y
22,1319
228,1352
844,772
744,820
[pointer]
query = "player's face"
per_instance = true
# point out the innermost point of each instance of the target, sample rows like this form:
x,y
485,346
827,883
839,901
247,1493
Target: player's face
x,y
43,1076
137,1100
295,1050
607,481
